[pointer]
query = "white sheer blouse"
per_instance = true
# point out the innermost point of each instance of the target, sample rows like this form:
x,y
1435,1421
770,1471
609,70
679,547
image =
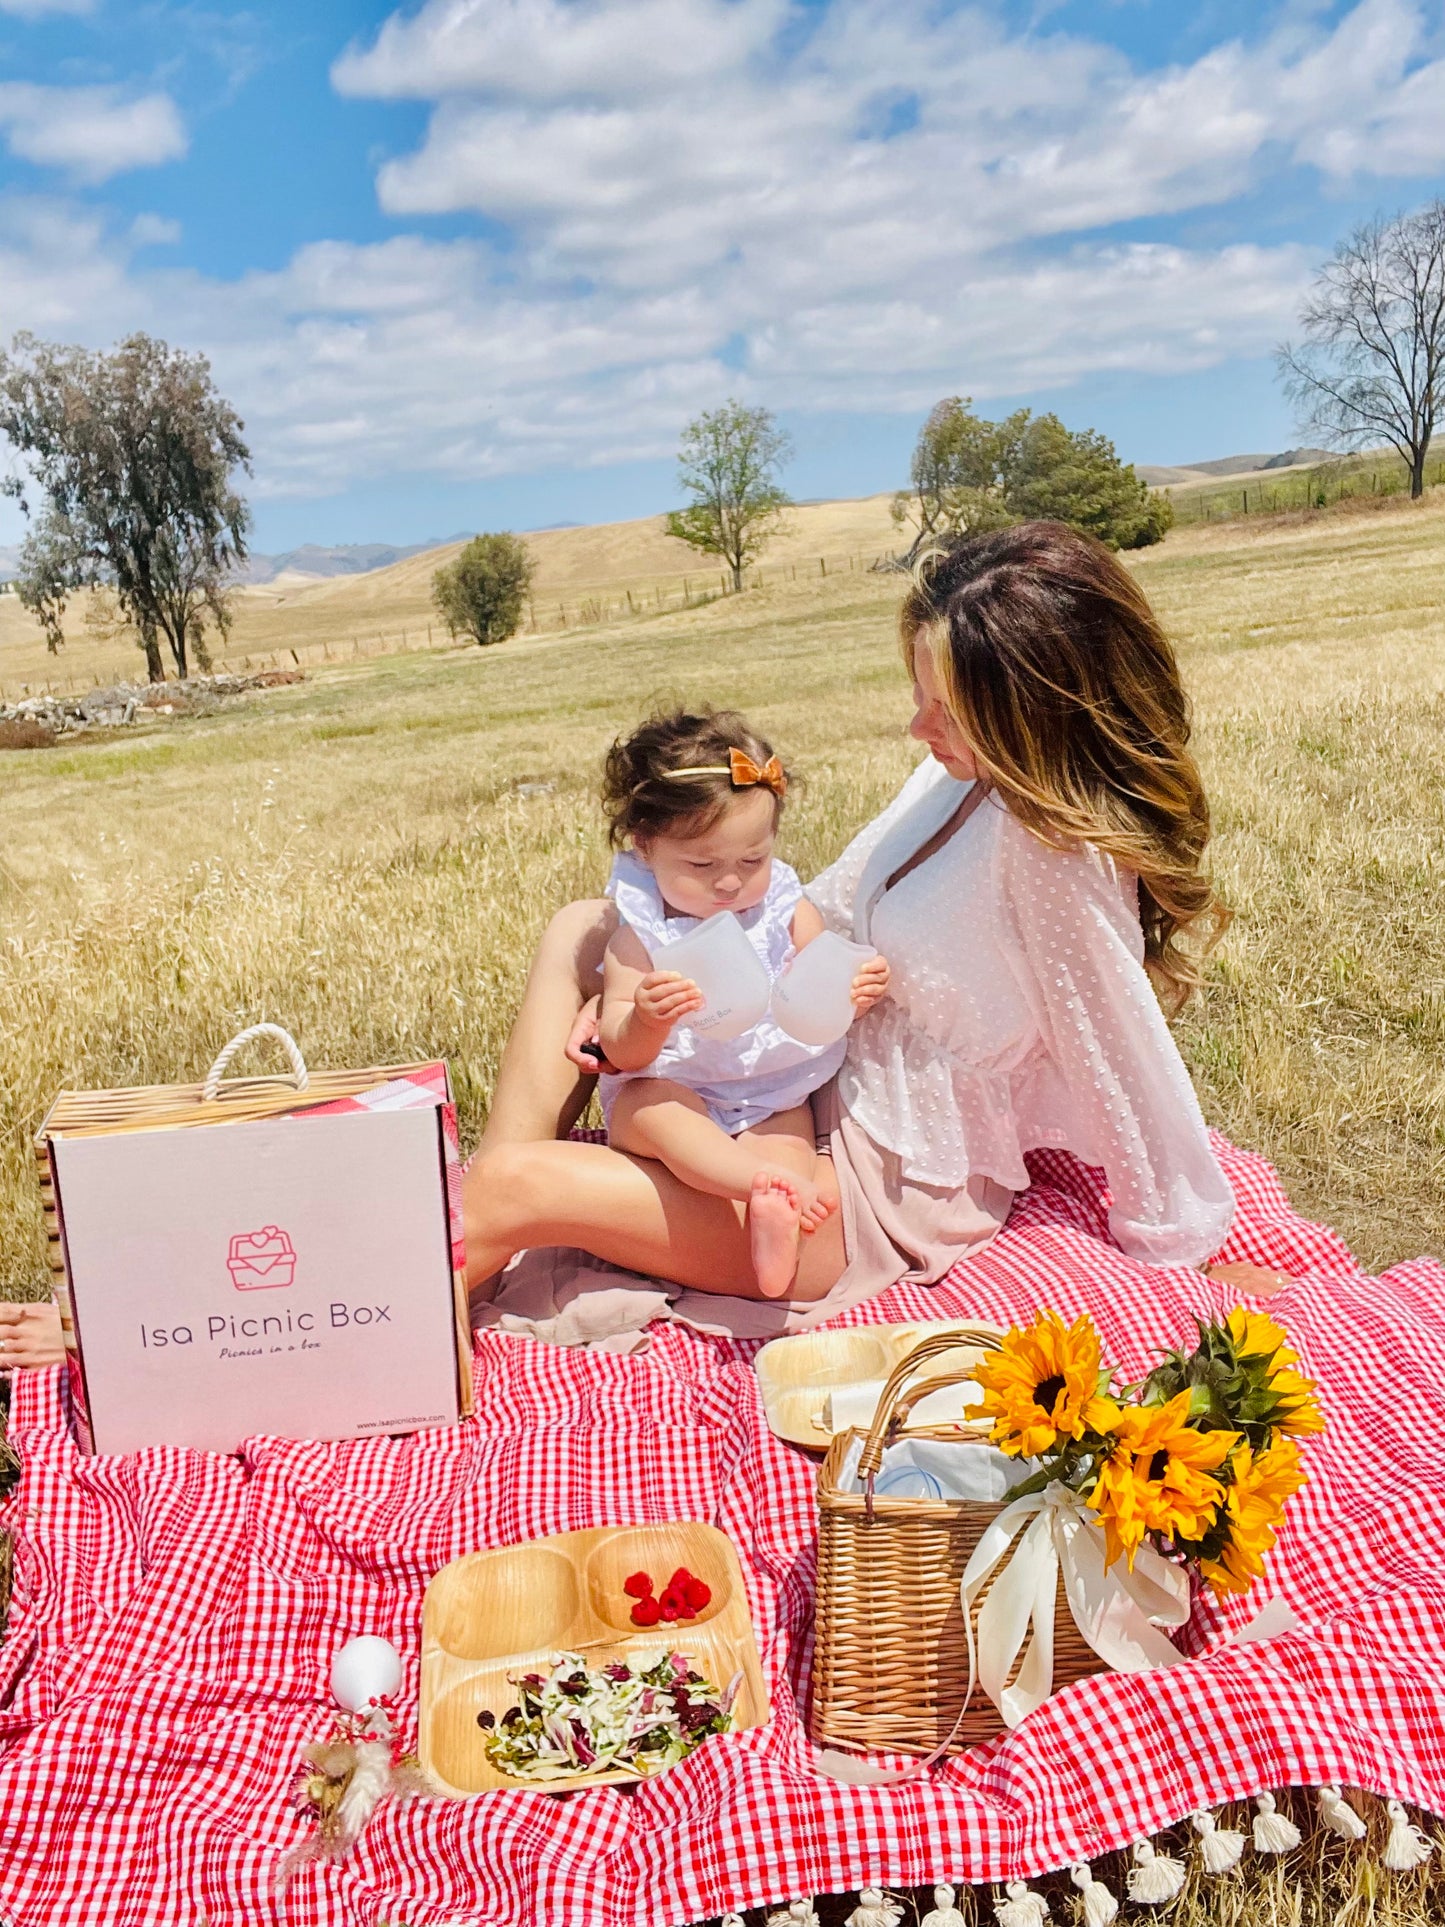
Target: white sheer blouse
x,y
1019,1016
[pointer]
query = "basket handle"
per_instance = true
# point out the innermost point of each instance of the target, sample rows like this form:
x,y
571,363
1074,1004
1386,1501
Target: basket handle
x,y
211,1089
893,1408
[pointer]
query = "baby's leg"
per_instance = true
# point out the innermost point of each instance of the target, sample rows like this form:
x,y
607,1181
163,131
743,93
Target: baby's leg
x,y
654,1118
788,1139
779,1210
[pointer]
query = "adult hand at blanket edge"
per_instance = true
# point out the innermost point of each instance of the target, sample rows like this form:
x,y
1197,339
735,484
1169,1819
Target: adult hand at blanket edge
x,y
1253,1280
30,1336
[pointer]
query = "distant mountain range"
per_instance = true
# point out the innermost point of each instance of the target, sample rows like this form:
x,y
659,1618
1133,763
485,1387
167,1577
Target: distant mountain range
x,y
346,558
1232,465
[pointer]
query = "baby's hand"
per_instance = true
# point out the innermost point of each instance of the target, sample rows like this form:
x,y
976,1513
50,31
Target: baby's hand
x,y
664,998
869,985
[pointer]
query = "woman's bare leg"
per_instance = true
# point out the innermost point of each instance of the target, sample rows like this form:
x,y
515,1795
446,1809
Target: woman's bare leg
x,y
539,1095
630,1212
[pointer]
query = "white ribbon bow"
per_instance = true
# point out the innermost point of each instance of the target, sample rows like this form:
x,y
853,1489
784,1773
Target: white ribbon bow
x,y
1118,1612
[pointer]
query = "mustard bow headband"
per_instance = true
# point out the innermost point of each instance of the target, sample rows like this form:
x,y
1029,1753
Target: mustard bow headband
x,y
744,772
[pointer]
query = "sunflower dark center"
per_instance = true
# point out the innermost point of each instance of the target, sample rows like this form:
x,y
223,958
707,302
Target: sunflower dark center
x,y
1047,1391
1158,1465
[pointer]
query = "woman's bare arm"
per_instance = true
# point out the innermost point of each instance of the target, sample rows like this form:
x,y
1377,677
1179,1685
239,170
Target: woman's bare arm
x,y
539,1095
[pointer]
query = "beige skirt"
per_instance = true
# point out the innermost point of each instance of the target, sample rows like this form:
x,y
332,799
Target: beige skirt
x,y
893,1226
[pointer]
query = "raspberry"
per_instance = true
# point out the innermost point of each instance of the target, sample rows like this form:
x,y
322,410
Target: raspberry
x,y
646,1612
679,1579
697,1594
639,1586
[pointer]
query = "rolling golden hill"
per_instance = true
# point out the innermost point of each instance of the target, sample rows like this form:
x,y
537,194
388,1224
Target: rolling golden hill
x,y
585,576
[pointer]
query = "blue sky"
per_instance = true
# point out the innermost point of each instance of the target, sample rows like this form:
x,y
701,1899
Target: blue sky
x,y
472,263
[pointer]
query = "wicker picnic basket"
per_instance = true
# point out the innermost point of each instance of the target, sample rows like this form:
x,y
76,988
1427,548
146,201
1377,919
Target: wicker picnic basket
x,y
890,1662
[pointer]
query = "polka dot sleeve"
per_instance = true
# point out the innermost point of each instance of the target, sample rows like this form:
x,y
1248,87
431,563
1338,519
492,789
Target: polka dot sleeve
x,y
1132,1108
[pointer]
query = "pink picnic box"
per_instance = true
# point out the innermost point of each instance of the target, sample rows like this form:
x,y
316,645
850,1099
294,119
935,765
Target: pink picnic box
x,y
261,1256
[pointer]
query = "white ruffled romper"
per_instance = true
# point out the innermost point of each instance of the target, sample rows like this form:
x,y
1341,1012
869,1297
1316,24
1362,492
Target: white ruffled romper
x,y
747,1078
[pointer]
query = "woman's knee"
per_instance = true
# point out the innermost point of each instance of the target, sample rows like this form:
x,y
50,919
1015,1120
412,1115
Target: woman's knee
x,y
502,1190
576,937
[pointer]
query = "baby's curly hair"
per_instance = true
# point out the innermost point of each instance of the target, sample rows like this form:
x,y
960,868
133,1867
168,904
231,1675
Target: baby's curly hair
x,y
640,795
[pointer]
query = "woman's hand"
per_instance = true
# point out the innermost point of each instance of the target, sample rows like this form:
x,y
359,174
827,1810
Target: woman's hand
x,y
1253,1280
870,985
582,1047
664,998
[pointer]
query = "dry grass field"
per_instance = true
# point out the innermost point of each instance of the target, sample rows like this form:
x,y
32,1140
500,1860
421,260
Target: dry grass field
x,y
366,857
585,577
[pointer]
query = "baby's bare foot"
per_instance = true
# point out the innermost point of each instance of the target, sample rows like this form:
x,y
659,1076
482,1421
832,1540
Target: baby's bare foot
x,y
30,1336
816,1210
773,1226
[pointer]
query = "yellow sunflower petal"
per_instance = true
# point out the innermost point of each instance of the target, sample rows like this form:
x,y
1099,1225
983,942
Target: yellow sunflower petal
x,y
1038,1385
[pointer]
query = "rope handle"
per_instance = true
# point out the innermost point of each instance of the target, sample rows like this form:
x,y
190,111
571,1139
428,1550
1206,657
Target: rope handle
x,y
211,1089
893,1409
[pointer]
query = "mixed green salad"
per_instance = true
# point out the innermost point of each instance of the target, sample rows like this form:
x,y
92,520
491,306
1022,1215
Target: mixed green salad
x,y
614,1718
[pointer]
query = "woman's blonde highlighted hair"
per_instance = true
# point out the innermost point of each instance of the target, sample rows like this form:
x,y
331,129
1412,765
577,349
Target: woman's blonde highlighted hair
x,y
1058,674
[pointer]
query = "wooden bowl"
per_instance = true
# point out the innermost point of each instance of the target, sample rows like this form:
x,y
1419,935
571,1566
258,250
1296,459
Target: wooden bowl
x,y
491,1614
796,1374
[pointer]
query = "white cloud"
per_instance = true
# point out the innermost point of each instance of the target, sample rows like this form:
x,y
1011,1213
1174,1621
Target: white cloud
x,y
34,9
154,231
701,197
90,132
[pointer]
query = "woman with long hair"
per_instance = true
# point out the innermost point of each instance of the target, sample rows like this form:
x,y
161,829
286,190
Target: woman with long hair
x,y
1038,888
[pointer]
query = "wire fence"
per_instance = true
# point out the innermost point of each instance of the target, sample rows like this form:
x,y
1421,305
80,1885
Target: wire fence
x,y
544,617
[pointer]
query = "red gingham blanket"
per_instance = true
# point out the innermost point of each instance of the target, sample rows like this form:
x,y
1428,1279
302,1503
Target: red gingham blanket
x,y
175,1615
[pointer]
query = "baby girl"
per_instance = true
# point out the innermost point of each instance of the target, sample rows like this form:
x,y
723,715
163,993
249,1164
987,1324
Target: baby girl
x,y
693,803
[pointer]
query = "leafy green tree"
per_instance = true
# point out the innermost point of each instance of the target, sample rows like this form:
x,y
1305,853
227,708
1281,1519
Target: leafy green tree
x,y
969,474
130,455
728,463
482,592
1074,476
958,474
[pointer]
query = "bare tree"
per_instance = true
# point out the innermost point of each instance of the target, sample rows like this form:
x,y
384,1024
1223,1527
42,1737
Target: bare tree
x,y
1372,365
131,455
728,463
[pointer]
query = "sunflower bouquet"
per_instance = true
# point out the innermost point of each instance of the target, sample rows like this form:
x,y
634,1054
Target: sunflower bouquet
x,y
1197,1460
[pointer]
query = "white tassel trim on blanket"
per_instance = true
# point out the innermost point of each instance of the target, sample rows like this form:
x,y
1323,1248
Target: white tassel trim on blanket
x,y
1100,1906
944,1913
876,1909
1154,1877
1273,1833
1022,1908
1220,1848
1338,1815
797,1913
1406,1847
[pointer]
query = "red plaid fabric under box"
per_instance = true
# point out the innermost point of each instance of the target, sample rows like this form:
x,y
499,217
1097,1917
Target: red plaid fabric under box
x,y
175,1616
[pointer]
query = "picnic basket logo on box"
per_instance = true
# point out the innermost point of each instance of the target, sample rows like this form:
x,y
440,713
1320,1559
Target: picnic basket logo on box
x,y
261,1260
